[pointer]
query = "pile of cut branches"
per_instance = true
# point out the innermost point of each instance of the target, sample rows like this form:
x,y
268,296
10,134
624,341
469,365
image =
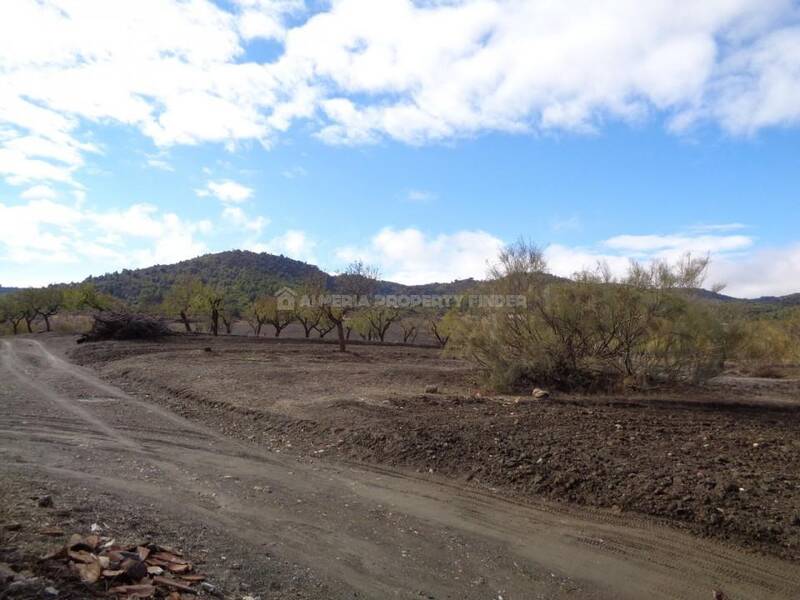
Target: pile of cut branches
x,y
125,326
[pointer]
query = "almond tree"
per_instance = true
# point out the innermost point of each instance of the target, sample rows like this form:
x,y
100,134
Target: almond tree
x,y
256,314
49,302
11,311
180,298
356,283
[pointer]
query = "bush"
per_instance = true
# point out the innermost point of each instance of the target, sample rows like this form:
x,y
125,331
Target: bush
x,y
593,333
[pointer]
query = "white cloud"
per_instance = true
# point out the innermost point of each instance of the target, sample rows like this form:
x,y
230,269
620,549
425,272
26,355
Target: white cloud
x,y
39,192
365,70
767,272
41,231
294,172
159,163
420,196
294,243
236,216
410,256
675,245
227,191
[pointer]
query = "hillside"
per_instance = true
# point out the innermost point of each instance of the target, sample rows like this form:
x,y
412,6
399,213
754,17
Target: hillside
x,y
247,274
250,274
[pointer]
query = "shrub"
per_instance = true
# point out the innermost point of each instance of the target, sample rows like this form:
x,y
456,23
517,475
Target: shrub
x,y
594,332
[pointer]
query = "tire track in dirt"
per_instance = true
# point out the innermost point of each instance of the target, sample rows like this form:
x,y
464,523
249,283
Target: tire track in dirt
x,y
352,523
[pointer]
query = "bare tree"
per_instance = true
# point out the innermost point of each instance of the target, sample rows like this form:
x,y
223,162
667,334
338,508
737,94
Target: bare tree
x,y
357,282
380,318
410,327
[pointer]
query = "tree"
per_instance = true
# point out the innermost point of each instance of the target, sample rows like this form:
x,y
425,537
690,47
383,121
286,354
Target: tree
x,y
229,312
279,319
49,302
409,324
356,283
256,314
380,318
28,304
11,311
440,327
86,296
309,315
324,325
181,297
209,302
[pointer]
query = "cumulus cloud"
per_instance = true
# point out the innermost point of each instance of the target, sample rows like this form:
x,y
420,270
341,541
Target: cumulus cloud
x,y
226,191
236,216
361,70
294,243
412,257
44,231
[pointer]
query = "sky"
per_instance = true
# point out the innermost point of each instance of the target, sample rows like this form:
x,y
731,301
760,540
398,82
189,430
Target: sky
x,y
418,136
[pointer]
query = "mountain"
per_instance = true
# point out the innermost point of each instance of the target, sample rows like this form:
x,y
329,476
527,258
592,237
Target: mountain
x,y
782,301
246,274
250,274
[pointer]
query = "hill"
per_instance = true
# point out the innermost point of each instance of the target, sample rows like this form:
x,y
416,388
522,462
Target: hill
x,y
246,274
250,274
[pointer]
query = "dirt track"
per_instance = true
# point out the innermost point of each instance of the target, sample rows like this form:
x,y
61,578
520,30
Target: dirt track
x,y
347,529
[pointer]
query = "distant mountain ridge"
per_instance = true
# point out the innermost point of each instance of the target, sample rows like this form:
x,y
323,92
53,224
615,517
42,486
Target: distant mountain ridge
x,y
247,274
250,274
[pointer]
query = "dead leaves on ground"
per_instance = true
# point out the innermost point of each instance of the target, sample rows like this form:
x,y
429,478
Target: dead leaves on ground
x,y
128,572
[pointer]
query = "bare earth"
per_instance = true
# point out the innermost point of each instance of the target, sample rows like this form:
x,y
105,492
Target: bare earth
x,y
296,472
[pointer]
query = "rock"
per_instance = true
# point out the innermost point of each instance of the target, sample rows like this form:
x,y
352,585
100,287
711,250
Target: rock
x,y
50,592
540,394
431,389
45,501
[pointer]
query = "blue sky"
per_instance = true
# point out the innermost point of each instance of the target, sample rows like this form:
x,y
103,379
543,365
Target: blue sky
x,y
417,136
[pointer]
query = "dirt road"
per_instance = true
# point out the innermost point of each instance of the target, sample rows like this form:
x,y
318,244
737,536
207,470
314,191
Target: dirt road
x,y
362,532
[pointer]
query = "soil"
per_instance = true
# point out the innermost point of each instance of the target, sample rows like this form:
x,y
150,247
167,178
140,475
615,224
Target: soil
x,y
723,461
295,471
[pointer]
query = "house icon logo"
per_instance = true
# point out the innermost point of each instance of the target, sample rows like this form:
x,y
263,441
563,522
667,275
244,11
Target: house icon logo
x,y
285,298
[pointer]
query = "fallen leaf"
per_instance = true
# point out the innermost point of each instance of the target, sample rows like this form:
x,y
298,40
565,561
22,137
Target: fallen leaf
x,y
111,573
174,583
179,567
134,591
89,573
82,556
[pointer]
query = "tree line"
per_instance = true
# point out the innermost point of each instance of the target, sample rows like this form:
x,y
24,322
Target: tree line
x,y
198,305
